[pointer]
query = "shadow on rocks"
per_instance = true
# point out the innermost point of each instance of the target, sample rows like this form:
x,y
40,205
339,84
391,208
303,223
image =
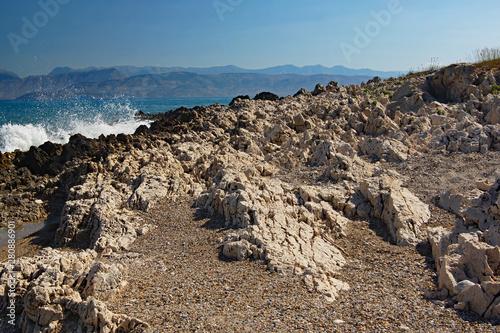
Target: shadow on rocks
x,y
212,221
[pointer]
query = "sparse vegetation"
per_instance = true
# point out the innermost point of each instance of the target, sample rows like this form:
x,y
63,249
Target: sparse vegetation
x,y
432,65
486,57
495,89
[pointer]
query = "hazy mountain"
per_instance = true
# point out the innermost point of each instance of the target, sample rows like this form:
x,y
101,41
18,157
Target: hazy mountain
x,y
46,84
6,75
285,69
151,81
184,84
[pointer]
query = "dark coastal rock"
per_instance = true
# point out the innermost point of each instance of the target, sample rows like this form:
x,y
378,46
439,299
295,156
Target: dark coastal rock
x,y
39,159
179,122
6,160
302,91
140,115
142,130
35,160
266,96
240,97
78,145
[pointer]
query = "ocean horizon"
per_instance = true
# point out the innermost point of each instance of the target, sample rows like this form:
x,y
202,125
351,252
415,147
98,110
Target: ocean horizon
x,y
31,123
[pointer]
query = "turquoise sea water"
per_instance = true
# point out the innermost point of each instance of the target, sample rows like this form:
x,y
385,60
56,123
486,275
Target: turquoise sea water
x,y
31,123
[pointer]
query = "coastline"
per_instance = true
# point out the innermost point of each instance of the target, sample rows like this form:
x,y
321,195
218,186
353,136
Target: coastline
x,y
31,123
289,178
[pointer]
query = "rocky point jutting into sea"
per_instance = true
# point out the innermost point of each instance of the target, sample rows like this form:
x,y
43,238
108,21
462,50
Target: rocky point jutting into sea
x,y
290,177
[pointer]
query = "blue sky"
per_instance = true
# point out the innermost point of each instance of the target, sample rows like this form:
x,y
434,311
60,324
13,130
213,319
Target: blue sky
x,y
245,33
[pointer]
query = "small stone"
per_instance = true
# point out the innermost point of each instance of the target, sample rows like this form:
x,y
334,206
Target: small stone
x,y
483,185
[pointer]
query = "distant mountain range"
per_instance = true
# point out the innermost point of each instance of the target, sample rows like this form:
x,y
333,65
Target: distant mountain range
x,y
277,70
158,82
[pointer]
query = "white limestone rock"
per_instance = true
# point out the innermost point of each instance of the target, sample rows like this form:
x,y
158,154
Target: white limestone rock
x,y
403,213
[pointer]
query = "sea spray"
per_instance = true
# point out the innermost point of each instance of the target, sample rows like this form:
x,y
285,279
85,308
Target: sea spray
x,y
31,123
57,121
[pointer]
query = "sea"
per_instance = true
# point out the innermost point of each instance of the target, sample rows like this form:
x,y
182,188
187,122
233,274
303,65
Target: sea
x,y
31,123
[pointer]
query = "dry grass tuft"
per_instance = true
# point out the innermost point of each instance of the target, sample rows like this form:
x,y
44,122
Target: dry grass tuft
x,y
487,57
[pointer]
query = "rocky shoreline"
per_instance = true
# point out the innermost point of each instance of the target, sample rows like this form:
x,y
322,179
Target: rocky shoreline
x,y
247,162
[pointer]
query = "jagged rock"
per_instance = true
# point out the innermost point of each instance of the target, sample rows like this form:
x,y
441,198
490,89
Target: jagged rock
x,y
476,299
468,257
491,109
403,213
302,91
411,96
278,229
451,83
385,148
332,86
452,201
319,89
378,122
102,280
59,284
375,80
299,123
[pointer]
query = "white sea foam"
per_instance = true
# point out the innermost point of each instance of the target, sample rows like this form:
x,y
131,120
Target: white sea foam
x,y
15,136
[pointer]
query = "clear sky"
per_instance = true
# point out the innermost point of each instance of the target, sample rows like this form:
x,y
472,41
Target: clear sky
x,y
38,35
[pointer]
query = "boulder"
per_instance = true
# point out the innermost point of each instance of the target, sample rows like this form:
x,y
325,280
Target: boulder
x,y
319,89
451,83
266,96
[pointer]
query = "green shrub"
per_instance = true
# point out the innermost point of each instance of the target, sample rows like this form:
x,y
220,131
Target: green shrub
x,y
495,89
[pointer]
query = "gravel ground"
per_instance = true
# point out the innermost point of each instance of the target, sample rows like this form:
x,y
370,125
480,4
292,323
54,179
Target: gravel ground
x,y
181,282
